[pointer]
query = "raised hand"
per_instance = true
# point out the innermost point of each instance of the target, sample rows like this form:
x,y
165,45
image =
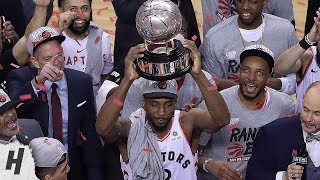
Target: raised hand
x,y
314,34
130,68
65,19
8,32
194,55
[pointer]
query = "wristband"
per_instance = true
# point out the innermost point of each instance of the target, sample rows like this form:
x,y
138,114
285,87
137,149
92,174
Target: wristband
x,y
205,163
308,40
305,43
117,102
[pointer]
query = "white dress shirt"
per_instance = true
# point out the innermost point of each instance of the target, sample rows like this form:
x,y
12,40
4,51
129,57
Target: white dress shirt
x,y
313,151
62,91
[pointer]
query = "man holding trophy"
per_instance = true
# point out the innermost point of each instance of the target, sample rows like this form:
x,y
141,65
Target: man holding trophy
x,y
161,141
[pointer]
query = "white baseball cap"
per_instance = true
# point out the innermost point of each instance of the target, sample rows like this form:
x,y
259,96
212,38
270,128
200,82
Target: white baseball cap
x,y
41,35
161,89
260,51
47,151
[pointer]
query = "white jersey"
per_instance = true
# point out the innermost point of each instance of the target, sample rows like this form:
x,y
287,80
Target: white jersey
x,y
75,53
311,74
178,160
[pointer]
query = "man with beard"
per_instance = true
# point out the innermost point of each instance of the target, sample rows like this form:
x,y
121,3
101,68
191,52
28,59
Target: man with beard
x,y
250,26
86,48
251,105
303,60
161,139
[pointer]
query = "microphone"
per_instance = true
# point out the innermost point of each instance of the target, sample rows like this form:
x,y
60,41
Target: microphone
x,y
300,156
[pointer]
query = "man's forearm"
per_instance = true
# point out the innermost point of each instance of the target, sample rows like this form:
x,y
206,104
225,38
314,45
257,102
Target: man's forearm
x,y
214,101
20,51
110,110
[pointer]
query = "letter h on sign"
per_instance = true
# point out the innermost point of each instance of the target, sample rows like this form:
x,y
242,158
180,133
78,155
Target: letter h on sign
x,y
17,161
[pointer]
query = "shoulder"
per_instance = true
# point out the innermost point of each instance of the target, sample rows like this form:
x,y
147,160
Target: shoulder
x,y
278,22
285,98
282,124
231,91
24,72
221,27
75,75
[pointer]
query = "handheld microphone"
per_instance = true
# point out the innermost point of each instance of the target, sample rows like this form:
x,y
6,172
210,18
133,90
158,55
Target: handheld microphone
x,y
300,156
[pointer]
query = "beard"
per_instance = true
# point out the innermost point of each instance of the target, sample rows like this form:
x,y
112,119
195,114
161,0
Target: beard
x,y
251,96
77,30
8,133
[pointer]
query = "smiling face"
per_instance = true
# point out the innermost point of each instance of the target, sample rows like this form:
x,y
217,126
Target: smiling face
x,y
78,26
159,112
8,124
250,13
253,77
310,114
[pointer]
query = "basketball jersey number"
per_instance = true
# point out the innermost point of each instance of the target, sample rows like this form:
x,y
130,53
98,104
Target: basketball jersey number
x,y
168,174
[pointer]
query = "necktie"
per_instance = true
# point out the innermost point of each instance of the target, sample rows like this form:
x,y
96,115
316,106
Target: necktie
x,y
56,113
311,137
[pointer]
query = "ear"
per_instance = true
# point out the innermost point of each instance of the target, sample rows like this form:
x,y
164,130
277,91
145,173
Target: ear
x,y
35,63
143,103
269,80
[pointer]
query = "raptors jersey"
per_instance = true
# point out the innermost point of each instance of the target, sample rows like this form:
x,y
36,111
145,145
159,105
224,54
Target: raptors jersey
x,y
75,53
178,160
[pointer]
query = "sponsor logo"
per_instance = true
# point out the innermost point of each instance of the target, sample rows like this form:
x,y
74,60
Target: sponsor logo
x,y
79,51
314,71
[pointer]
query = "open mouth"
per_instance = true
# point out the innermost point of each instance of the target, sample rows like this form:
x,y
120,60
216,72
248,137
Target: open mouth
x,y
79,23
250,87
12,124
246,16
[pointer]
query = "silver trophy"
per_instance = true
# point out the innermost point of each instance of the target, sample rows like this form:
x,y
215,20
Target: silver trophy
x,y
158,22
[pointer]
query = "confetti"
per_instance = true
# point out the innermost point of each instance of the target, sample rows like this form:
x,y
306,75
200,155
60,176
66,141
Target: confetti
x,y
25,97
47,142
194,38
14,65
147,150
1,67
20,104
80,14
83,137
100,10
41,86
97,40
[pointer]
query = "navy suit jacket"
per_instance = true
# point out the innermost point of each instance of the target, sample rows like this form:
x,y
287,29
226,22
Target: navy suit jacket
x,y
273,146
83,142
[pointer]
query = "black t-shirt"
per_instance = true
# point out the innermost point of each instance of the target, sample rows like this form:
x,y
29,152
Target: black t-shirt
x,y
7,63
